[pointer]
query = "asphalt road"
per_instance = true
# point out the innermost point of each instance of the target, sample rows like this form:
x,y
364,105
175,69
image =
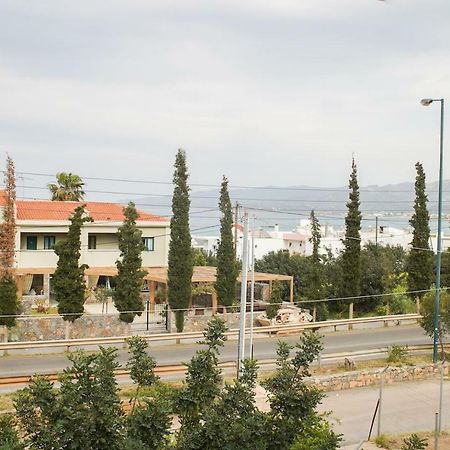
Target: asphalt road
x,y
264,348
408,407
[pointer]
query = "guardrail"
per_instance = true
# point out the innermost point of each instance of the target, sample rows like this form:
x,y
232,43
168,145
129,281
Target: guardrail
x,y
24,345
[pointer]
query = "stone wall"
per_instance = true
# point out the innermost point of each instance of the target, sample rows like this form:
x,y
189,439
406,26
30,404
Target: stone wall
x,y
197,322
355,379
41,328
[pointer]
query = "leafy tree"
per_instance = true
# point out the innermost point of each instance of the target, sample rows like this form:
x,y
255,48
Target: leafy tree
x,y
227,269
292,403
382,272
372,276
68,187
351,255
202,383
203,258
85,413
420,258
427,310
8,291
68,280
127,296
180,253
276,299
149,423
9,440
281,262
199,257
317,435
149,426
233,421
445,268
211,417
141,365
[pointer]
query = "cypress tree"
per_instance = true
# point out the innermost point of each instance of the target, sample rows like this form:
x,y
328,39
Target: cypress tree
x,y
351,256
419,263
127,296
8,290
315,287
315,279
180,252
68,280
227,269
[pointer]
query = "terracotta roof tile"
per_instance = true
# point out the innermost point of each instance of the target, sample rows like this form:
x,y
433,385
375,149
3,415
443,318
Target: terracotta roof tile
x,y
99,211
294,237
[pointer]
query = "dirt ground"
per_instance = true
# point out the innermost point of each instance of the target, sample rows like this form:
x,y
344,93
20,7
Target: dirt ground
x,y
396,442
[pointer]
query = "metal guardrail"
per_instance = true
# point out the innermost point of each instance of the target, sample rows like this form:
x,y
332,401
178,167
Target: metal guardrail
x,y
23,345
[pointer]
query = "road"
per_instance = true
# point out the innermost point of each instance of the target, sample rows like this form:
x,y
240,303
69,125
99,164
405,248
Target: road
x,y
264,348
407,407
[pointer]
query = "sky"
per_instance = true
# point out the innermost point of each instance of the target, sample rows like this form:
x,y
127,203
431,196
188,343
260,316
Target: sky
x,y
268,92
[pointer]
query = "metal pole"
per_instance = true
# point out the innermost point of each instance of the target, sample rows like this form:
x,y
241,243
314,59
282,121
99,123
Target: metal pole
x,y
236,214
241,348
441,392
436,434
376,231
439,239
380,403
252,288
373,419
148,312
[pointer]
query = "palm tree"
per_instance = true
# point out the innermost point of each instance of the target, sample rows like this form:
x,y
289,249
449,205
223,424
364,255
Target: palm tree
x,y
68,187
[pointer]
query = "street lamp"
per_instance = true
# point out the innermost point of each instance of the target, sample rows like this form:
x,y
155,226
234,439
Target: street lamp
x,y
427,102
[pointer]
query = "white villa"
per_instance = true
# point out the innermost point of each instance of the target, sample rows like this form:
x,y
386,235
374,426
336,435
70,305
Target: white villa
x,y
41,224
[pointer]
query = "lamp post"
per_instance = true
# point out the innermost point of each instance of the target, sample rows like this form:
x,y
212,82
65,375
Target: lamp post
x,y
427,102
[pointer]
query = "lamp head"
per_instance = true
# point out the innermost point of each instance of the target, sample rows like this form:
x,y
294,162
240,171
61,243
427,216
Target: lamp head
x,y
426,101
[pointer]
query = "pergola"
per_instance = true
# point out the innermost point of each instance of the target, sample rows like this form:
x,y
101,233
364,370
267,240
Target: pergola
x,y
201,274
207,274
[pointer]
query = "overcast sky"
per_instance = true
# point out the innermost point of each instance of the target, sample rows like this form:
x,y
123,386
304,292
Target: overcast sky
x,y
269,92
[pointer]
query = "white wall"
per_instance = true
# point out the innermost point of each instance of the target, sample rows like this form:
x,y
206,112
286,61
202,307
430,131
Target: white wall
x,y
104,255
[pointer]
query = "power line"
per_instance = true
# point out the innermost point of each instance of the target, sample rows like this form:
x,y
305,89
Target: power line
x,y
358,297
168,183
383,202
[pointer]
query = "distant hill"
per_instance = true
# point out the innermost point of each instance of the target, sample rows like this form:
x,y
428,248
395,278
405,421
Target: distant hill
x,y
395,198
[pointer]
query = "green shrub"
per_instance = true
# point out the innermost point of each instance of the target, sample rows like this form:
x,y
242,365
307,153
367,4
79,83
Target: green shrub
x,y
383,442
8,435
414,442
398,354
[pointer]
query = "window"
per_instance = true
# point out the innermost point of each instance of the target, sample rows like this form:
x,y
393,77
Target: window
x,y
149,244
49,242
31,242
92,242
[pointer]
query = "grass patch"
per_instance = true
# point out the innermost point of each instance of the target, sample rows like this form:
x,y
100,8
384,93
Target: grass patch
x,y
389,442
6,402
371,364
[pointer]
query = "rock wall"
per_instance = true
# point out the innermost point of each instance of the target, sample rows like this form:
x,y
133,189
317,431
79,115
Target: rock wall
x,y
47,328
196,322
355,379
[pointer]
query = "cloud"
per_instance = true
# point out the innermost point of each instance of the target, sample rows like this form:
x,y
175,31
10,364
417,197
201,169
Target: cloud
x,y
280,91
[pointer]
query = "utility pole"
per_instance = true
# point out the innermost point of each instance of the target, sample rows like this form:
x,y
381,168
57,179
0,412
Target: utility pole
x,y
252,287
236,218
437,298
243,307
376,231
